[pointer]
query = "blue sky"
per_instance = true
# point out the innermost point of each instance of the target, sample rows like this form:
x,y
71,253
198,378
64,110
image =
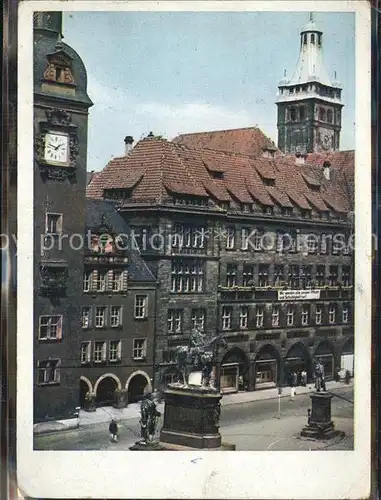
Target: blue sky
x,y
179,72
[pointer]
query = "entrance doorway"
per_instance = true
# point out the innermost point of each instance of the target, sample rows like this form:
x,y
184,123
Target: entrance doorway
x,y
266,367
136,388
105,391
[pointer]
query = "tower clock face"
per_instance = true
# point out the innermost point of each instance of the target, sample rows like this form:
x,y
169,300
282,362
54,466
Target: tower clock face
x,y
327,141
56,148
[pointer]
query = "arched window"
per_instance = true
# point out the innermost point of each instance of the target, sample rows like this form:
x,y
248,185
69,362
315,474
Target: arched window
x,y
322,114
304,38
319,39
313,38
329,116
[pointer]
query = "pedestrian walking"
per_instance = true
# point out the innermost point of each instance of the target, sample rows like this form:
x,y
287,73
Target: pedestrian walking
x,y
113,430
304,378
294,379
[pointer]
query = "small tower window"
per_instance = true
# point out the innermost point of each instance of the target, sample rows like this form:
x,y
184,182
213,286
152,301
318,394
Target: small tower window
x,y
302,113
313,38
329,116
305,39
319,39
322,114
292,114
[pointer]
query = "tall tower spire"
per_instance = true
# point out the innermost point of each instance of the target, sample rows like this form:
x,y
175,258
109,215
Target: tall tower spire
x,y
309,104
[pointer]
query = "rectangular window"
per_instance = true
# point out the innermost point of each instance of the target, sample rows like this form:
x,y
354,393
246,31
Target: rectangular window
x,y
333,274
100,317
48,372
332,314
245,232
293,276
346,276
117,281
86,281
139,349
175,320
275,316
243,317
263,275
290,315
318,314
231,275
226,318
248,276
99,351
305,315
198,319
50,328
257,235
86,317
85,352
230,238
345,316
101,281
278,274
312,243
187,277
336,247
324,243
53,223
320,275
141,306
305,276
115,350
188,237
115,316
259,317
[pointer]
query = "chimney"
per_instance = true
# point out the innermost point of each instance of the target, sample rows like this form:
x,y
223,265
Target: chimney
x,y
300,158
128,141
269,151
327,170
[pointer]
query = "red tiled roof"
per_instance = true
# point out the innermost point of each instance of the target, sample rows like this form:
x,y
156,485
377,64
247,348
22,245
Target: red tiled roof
x,y
247,141
155,168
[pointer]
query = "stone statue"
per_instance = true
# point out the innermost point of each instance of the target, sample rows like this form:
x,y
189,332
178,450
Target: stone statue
x,y
198,355
319,376
149,416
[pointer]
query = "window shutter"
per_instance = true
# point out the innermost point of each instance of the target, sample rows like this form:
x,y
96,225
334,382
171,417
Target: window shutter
x,y
124,280
119,353
104,351
110,277
93,279
59,328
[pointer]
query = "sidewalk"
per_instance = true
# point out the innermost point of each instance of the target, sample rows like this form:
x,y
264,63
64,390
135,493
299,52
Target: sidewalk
x,y
106,413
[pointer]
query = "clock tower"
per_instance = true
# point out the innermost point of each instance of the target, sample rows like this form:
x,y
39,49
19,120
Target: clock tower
x,y
309,105
61,105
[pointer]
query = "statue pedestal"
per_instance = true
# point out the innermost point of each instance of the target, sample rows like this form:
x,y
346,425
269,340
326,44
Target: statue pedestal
x,y
142,446
320,425
191,417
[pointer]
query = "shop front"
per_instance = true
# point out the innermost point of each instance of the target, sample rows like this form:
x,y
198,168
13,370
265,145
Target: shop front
x,y
297,360
266,367
347,357
233,371
229,377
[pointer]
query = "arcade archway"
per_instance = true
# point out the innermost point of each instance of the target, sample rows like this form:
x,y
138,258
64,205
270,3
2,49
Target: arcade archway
x,y
234,371
84,387
137,385
105,388
267,367
347,360
325,352
296,361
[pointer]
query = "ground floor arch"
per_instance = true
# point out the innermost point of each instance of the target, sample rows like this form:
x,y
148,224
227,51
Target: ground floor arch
x,y
104,389
347,359
234,371
296,361
267,366
325,352
85,386
138,383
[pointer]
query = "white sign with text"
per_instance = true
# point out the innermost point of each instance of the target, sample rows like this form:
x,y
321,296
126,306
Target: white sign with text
x,y
298,294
